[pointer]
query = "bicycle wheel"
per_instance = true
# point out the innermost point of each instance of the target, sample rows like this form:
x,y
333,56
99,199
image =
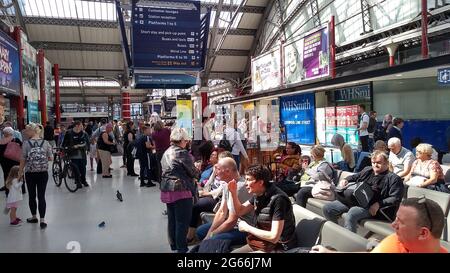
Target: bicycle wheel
x,y
56,171
71,177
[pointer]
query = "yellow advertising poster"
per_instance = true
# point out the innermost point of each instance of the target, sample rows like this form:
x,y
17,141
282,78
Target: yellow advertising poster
x,y
184,113
249,106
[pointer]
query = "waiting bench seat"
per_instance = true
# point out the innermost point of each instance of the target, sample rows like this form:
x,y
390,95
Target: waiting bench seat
x,y
383,227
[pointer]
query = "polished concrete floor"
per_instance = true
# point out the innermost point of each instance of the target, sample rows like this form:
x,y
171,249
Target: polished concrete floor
x,y
134,225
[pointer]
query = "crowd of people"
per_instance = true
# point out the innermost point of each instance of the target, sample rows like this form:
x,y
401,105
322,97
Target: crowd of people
x,y
252,212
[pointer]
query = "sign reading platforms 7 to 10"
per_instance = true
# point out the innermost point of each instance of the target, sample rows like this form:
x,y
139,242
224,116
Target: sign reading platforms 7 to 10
x,y
166,35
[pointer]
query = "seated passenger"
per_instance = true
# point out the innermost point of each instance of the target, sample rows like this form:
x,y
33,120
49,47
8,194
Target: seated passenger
x,y
318,170
287,161
348,162
400,158
416,141
387,189
309,174
426,172
225,220
364,158
274,230
396,129
418,228
208,170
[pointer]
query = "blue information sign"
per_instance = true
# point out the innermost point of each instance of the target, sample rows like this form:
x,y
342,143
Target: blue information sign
x,y
444,76
298,117
9,65
161,81
167,35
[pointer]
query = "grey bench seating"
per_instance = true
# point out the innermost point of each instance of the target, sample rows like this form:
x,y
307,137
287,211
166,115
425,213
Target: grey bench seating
x,y
312,229
383,227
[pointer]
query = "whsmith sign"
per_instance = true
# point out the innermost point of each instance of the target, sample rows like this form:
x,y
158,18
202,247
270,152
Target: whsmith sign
x,y
361,92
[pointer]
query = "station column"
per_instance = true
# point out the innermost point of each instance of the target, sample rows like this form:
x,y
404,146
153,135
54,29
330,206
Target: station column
x,y
126,105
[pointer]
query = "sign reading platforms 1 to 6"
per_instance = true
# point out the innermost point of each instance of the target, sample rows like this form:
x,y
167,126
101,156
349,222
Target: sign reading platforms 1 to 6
x,y
166,34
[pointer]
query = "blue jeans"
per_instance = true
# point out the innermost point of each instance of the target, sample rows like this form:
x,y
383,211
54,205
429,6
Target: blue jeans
x,y
333,210
343,166
235,236
179,215
371,144
81,165
237,158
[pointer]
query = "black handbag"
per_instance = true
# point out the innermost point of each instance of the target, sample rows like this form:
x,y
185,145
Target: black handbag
x,y
113,149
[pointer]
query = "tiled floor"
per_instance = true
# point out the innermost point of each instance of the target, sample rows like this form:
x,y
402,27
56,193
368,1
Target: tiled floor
x,y
134,225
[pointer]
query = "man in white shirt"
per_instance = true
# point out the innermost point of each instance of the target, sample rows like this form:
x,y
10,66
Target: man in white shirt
x,y
400,158
236,144
362,129
224,225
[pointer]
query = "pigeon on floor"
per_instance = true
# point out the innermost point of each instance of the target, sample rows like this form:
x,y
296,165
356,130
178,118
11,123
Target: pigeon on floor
x,y
101,225
119,196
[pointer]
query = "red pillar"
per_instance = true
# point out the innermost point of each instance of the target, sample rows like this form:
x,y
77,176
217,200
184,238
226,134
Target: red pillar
x,y
391,61
43,97
126,106
204,100
332,48
57,94
424,29
19,100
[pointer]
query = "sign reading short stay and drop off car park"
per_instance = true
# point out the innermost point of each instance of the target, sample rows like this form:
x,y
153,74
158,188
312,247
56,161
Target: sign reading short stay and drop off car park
x,y
166,35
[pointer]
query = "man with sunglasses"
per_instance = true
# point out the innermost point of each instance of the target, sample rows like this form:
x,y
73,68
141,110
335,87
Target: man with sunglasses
x,y
418,228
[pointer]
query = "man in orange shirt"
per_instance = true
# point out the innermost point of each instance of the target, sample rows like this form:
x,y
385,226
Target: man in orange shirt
x,y
418,228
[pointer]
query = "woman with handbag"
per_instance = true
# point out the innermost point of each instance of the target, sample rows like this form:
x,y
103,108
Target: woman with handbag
x,y
104,145
178,188
10,151
319,170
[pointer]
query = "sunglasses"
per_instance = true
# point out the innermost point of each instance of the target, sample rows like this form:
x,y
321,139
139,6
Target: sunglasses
x,y
423,200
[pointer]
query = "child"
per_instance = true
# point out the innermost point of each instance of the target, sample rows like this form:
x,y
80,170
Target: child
x,y
92,153
15,195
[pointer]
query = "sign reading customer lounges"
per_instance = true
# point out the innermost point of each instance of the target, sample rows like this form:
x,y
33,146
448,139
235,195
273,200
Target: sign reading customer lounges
x,y
298,116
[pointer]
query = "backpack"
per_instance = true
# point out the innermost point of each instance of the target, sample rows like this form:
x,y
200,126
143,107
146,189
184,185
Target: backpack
x,y
37,160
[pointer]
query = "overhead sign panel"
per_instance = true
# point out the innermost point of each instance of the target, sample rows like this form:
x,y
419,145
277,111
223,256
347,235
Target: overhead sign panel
x,y
444,76
167,35
162,81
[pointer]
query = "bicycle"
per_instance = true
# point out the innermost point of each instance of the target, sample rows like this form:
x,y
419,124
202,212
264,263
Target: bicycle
x,y
65,170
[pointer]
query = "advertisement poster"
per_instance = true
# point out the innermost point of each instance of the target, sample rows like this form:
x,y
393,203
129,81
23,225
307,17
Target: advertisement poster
x,y
268,124
294,71
307,58
321,125
298,118
9,65
330,124
346,123
30,73
184,113
316,57
33,112
2,108
266,71
48,87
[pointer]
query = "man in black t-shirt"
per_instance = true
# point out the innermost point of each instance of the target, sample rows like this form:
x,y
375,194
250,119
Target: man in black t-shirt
x,y
273,211
76,141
